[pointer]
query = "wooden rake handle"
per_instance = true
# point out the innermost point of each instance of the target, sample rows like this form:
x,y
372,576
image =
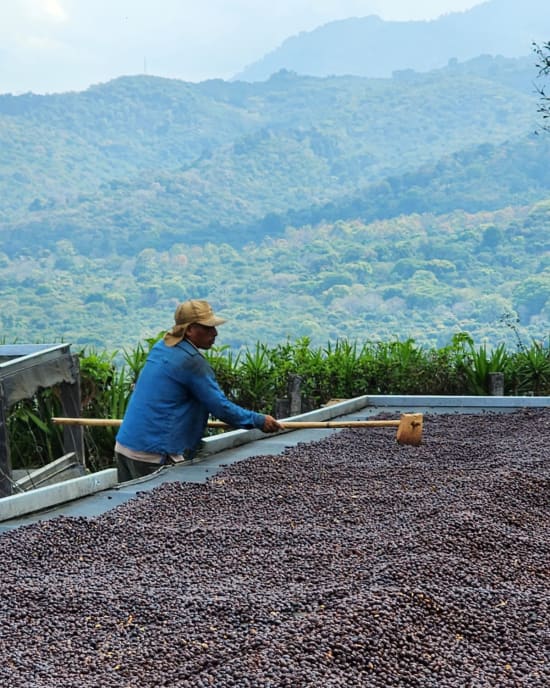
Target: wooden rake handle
x,y
294,425
409,426
98,422
302,424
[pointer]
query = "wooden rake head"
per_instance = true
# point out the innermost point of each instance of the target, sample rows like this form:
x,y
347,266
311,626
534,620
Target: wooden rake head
x,y
409,430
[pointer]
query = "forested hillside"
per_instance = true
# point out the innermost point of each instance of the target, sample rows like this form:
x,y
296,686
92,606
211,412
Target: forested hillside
x,y
144,160
416,206
423,276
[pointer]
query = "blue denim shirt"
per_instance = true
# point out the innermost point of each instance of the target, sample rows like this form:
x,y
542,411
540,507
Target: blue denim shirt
x,y
173,397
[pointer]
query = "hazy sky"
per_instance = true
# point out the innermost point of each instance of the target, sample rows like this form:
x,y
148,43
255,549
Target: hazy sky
x,y
60,45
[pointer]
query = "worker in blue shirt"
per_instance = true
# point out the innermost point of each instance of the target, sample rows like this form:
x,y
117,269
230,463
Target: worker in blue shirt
x,y
174,395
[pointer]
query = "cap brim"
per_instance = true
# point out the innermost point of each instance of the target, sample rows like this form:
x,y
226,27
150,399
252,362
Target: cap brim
x,y
214,321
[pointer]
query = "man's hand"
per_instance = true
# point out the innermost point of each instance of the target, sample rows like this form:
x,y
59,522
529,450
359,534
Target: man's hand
x,y
271,425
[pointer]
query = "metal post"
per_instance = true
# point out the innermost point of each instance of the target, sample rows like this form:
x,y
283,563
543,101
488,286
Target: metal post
x,y
496,384
282,408
5,460
73,435
295,394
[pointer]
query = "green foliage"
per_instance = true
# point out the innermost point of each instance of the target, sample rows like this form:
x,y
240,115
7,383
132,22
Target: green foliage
x,y
342,365
406,217
264,156
134,359
97,372
543,55
258,377
226,365
302,359
422,277
255,379
34,440
531,296
479,362
104,394
531,369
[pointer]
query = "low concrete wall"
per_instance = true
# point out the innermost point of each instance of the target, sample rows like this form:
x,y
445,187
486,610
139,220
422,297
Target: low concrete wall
x,y
66,467
44,497
234,438
488,402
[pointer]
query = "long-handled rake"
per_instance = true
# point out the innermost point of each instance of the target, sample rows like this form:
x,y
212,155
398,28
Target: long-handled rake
x,y
409,426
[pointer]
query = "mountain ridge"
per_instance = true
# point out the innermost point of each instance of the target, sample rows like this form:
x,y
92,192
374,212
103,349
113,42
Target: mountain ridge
x,y
119,135
372,47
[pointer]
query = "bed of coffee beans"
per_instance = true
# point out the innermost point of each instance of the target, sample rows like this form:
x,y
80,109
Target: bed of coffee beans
x,y
348,561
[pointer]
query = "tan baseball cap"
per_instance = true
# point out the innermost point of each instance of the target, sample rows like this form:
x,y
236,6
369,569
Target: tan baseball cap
x,y
187,313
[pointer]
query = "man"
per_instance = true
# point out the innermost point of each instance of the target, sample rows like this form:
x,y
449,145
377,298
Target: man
x,y
175,393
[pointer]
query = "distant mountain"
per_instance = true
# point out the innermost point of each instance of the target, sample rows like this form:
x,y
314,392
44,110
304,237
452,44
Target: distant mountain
x,y
145,161
372,47
415,206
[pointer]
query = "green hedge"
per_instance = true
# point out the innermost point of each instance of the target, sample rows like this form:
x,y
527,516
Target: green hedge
x,y
257,377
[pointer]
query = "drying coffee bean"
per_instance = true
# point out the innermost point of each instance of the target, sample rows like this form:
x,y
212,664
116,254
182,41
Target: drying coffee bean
x,y
350,561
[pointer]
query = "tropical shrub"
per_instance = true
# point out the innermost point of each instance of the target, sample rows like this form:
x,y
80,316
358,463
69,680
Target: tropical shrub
x,y
258,378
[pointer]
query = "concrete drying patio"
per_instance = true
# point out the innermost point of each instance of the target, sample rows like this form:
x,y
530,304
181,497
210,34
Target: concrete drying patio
x,y
96,493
